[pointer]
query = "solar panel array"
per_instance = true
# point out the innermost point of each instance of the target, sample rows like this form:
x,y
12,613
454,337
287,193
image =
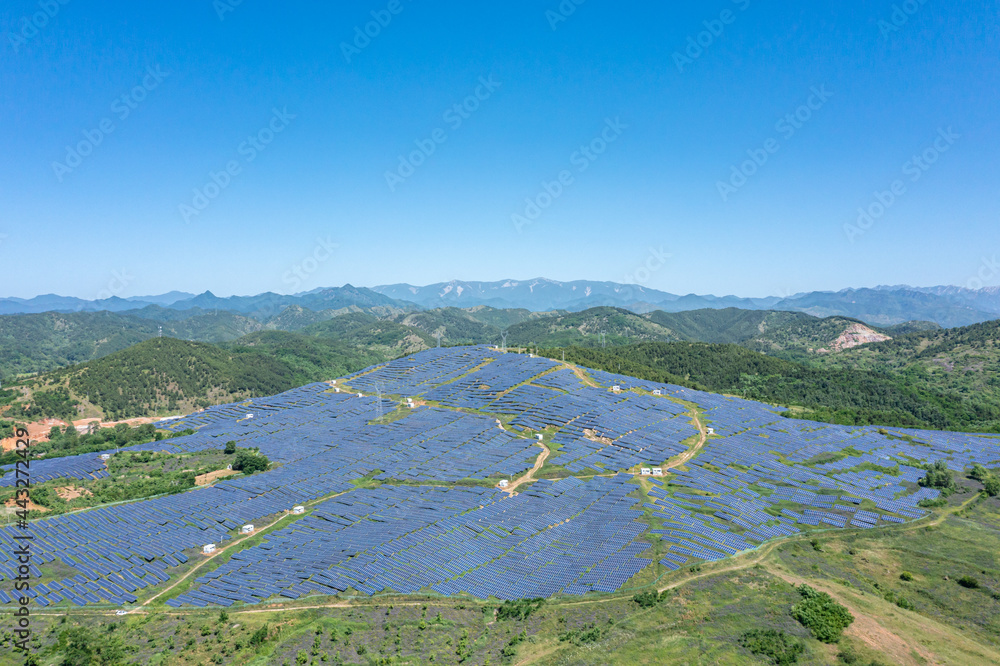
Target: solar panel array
x,y
759,477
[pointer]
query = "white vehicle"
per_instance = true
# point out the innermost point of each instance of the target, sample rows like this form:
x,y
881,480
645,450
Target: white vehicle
x,y
121,612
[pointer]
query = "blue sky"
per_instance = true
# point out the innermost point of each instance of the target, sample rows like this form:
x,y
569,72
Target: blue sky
x,y
248,142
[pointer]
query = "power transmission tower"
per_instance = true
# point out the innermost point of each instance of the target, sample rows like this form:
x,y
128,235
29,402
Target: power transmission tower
x,y
503,337
438,336
160,334
378,403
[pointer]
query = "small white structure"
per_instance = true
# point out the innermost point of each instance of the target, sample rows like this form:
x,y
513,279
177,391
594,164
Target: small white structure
x,y
711,431
121,612
249,416
333,381
503,483
229,468
540,436
298,509
645,471
105,456
246,529
208,548
657,392
336,390
657,471
361,395
616,388
531,356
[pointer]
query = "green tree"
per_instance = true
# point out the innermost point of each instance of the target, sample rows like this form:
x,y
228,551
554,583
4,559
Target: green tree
x,y
939,476
991,486
249,462
230,448
979,473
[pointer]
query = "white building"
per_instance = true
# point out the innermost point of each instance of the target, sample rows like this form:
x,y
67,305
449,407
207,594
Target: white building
x,y
616,388
105,456
645,471
711,431
249,416
246,529
540,437
503,483
298,509
208,548
657,471
657,392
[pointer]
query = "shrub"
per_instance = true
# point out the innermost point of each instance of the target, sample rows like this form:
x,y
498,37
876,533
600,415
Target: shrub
x,y
259,637
775,645
518,610
906,575
230,447
647,599
821,615
969,582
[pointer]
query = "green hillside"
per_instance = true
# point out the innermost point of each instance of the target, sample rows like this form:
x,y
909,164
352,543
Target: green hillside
x,y
964,362
584,329
851,397
163,376
379,335
39,342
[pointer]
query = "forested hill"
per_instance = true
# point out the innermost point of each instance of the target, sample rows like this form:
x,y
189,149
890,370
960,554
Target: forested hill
x,y
41,342
165,375
852,397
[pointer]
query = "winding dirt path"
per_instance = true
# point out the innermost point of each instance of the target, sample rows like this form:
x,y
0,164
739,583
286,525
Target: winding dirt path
x,y
693,451
530,474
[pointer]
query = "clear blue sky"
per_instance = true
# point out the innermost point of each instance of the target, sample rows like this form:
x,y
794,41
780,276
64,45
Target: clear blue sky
x,y
112,220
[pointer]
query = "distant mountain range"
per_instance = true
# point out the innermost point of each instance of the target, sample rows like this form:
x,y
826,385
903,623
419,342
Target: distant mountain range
x,y
880,306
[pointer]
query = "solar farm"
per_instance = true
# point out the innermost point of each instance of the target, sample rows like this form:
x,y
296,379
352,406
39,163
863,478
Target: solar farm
x,y
410,503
